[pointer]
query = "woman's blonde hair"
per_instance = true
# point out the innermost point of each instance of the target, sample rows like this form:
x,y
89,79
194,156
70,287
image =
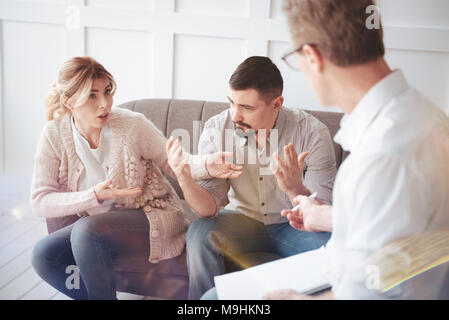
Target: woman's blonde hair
x,y
74,82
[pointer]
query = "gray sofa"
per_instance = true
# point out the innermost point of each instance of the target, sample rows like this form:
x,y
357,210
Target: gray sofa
x,y
168,279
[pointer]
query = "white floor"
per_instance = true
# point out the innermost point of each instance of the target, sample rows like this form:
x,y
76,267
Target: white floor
x,y
18,281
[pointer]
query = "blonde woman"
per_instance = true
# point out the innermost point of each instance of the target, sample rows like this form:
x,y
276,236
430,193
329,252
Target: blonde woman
x,y
103,165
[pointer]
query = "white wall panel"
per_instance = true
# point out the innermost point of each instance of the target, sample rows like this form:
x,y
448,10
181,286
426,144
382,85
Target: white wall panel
x,y
203,66
428,13
276,10
426,71
122,4
2,106
32,54
128,56
238,8
43,1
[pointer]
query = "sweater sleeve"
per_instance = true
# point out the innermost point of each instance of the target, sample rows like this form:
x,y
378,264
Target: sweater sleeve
x,y
153,143
47,199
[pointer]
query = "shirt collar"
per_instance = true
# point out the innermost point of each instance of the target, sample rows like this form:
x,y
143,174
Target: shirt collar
x,y
352,126
80,136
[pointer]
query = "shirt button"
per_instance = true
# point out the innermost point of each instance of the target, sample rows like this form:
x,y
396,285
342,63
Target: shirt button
x,y
155,234
263,203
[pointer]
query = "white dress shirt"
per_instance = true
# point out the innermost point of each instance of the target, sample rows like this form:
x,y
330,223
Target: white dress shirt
x,y
94,161
394,183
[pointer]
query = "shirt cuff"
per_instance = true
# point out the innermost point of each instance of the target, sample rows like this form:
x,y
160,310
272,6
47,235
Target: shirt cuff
x,y
93,200
198,167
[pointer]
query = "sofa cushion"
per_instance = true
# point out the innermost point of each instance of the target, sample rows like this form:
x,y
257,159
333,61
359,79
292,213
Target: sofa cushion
x,y
181,117
169,279
154,109
211,109
166,279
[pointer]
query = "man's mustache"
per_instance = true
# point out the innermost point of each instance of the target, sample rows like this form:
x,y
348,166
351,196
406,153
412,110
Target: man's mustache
x,y
242,124
239,131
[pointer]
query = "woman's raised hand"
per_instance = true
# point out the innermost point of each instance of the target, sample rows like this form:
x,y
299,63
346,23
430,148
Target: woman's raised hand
x,y
216,164
103,191
178,160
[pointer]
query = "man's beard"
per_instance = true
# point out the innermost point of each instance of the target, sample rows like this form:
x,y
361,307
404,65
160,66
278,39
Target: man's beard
x,y
244,134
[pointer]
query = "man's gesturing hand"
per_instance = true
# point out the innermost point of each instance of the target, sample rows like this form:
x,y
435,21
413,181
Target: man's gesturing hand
x,y
289,172
217,166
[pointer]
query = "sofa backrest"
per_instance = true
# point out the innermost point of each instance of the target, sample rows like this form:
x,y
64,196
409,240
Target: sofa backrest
x,y
174,114
171,114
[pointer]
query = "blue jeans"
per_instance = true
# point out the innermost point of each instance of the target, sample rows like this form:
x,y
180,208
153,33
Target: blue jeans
x,y
228,235
90,245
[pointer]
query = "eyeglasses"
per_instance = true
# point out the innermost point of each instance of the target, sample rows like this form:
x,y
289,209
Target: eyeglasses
x,y
290,59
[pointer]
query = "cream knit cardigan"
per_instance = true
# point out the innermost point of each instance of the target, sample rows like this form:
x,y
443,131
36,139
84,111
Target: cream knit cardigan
x,y
137,153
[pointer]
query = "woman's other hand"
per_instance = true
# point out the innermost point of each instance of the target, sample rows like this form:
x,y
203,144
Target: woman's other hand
x,y
178,160
103,191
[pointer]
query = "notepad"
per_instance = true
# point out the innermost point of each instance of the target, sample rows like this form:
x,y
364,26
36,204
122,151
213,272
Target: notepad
x,y
303,272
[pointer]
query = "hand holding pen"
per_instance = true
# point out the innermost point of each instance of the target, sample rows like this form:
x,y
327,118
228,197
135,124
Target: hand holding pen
x,y
309,214
312,196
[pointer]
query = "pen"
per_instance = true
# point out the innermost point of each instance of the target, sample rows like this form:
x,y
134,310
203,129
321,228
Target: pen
x,y
312,196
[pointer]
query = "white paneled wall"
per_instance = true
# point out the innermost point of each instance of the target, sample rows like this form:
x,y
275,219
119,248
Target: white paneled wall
x,y
31,55
122,4
426,70
297,91
181,49
231,8
203,65
276,10
128,55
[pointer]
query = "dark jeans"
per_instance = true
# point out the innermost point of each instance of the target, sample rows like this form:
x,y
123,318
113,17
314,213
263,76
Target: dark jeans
x,y
89,246
229,235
